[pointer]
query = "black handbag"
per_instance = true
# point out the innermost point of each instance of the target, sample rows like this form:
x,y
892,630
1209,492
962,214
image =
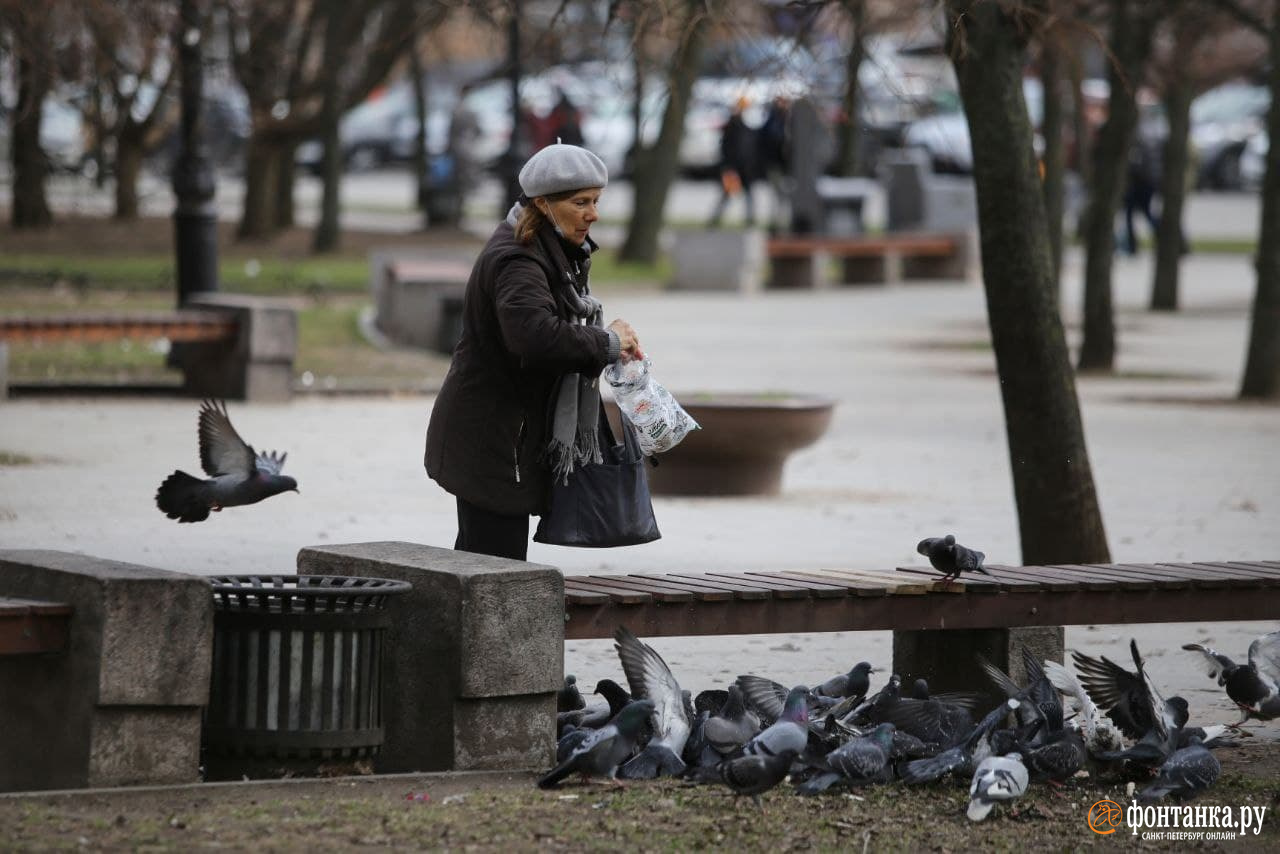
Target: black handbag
x,y
603,504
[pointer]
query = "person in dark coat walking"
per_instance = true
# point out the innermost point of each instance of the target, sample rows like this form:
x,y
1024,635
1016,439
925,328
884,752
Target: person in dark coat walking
x,y
521,400
739,150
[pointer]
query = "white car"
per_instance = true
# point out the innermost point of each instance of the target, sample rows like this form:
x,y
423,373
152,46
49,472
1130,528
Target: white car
x,y
1253,161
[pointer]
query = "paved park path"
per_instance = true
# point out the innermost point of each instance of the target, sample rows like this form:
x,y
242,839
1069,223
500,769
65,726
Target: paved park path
x,y
916,448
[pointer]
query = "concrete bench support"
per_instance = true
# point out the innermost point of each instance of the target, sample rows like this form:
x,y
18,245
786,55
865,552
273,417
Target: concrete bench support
x,y
948,658
875,269
257,365
807,271
718,260
122,704
473,658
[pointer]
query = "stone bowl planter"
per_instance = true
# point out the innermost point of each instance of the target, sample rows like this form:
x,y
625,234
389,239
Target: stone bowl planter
x,y
744,441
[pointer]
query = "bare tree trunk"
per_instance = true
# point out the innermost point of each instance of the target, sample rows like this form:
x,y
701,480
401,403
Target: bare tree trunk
x,y
1262,365
129,153
1058,515
1054,151
30,207
1132,23
261,184
847,144
1170,242
420,113
286,172
656,167
327,229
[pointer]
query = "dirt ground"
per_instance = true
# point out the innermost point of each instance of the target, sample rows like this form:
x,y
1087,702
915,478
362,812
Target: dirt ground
x,y
458,811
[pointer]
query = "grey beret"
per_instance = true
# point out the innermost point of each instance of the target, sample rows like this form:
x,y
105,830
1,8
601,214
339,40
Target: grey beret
x,y
560,168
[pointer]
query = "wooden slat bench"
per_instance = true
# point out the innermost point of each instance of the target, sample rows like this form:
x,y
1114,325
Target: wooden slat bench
x,y
801,261
227,345
914,599
29,626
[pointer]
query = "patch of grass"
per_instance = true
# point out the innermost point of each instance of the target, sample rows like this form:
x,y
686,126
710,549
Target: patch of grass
x,y
607,270
12,458
242,271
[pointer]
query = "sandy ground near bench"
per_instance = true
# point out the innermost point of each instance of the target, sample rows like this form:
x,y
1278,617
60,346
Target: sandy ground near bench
x,y
916,448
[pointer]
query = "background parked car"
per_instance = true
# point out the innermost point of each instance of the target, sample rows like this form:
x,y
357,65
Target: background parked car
x,y
1253,161
1223,120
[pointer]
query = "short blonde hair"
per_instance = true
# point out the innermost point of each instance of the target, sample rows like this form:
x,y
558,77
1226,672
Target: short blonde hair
x,y
531,219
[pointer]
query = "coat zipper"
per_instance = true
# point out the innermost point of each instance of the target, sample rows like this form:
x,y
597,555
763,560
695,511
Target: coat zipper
x,y
516,449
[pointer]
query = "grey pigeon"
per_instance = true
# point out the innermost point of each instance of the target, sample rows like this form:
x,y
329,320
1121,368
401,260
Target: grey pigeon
x,y
950,558
1254,687
1185,774
603,750
732,726
855,683
237,474
569,698
789,733
1099,735
975,747
997,778
858,761
755,774
651,679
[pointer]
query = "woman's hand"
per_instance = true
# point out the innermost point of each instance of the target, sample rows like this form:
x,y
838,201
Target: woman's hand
x,y
629,343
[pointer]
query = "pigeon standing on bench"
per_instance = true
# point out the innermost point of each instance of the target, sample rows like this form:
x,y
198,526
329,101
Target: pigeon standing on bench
x,y
950,558
237,474
1254,687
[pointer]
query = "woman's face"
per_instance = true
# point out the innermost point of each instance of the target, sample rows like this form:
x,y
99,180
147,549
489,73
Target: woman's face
x,y
574,214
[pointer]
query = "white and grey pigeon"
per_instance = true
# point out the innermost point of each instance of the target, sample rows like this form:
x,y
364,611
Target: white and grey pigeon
x,y
601,752
651,679
1254,687
237,474
1099,734
997,778
950,558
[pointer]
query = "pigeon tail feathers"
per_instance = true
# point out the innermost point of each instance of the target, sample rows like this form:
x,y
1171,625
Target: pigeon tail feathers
x,y
184,498
656,760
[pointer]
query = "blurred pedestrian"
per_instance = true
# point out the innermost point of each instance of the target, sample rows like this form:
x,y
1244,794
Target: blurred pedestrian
x,y
774,144
464,133
738,163
1141,186
521,399
566,121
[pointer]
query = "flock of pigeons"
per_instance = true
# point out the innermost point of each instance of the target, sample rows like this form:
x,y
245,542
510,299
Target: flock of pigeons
x,y
757,733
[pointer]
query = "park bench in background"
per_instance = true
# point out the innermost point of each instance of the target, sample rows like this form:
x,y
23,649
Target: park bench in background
x,y
32,626
479,641
227,345
418,300
802,261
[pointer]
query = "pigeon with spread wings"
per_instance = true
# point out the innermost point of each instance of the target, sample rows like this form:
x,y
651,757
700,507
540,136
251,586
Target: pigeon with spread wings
x,y
237,474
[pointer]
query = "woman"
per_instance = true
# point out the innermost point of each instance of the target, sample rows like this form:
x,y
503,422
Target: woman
x,y
521,400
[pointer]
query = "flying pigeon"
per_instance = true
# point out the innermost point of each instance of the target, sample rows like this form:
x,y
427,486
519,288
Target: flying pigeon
x,y
1254,687
1135,705
997,778
950,558
600,753
651,679
237,474
1185,774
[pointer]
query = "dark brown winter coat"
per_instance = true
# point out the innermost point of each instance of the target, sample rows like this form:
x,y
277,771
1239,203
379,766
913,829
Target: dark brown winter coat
x,y
489,425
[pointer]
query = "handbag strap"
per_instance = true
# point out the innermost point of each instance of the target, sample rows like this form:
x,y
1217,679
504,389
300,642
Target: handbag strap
x,y
631,452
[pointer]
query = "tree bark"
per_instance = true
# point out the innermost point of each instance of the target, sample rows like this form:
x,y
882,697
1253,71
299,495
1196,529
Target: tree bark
x,y
417,72
1058,515
656,168
1173,192
327,229
1132,23
847,145
1262,364
286,172
1054,160
129,153
29,205
261,183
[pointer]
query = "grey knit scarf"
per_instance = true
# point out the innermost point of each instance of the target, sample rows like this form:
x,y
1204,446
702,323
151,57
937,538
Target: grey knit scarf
x,y
575,412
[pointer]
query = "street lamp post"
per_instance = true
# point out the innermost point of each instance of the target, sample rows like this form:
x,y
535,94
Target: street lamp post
x,y
195,222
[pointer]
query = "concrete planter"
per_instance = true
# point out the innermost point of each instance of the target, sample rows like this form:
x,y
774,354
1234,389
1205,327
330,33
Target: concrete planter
x,y
743,443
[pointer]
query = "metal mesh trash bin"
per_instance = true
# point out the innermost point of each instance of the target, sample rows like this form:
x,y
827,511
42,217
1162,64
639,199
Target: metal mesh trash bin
x,y
297,666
